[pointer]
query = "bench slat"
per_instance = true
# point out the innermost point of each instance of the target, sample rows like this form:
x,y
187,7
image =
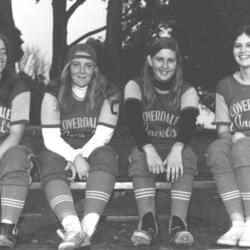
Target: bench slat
x,y
129,185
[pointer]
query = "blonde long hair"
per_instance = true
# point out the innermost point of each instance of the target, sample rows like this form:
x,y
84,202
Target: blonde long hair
x,y
98,89
148,74
9,77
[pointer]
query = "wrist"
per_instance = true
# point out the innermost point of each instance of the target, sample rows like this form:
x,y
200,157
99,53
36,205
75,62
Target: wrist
x,y
148,147
79,156
226,136
178,146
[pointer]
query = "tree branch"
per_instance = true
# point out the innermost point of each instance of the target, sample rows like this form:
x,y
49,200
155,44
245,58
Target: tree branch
x,y
131,7
87,35
72,9
130,25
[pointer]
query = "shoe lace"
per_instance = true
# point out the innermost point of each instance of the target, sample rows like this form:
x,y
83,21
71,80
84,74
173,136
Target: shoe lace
x,y
11,230
76,237
60,233
15,231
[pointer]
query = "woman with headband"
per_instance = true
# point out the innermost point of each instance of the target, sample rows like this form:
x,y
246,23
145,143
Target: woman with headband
x,y
79,114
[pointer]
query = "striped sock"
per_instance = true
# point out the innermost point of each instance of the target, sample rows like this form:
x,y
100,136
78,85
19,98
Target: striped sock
x,y
144,193
228,188
12,202
95,201
180,195
11,209
60,200
233,203
245,196
97,195
145,196
246,202
180,201
228,196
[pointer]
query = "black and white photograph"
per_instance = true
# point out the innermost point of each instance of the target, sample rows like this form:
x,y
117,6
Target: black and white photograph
x,y
124,124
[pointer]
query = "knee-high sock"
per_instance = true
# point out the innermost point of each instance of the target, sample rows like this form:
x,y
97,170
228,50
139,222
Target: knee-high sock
x,y
180,196
60,198
12,202
99,188
243,177
144,190
229,191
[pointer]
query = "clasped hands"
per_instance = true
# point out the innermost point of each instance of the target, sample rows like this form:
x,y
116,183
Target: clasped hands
x,y
79,167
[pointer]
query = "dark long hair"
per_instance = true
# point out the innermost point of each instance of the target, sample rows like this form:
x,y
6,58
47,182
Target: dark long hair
x,y
243,29
8,77
99,89
148,74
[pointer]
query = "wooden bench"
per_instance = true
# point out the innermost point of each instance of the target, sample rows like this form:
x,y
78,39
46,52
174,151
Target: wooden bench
x,y
123,144
201,206
124,185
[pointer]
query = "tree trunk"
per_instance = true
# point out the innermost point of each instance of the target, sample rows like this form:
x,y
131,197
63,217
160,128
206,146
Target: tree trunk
x,y
59,37
113,42
7,26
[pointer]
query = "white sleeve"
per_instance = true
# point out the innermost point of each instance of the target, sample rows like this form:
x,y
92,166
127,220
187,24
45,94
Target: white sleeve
x,y
55,143
51,132
102,136
105,128
132,90
190,99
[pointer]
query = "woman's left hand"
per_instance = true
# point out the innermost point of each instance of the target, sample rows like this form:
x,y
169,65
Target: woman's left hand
x,y
173,164
82,167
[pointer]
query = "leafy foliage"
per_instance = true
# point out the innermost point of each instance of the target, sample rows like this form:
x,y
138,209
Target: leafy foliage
x,y
202,28
33,64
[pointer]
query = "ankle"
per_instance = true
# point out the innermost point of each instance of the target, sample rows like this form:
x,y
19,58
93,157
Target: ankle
x,y
176,221
89,223
71,223
238,223
149,222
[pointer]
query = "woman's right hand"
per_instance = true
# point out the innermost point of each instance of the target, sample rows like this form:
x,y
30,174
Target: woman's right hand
x,y
71,171
154,161
82,167
237,136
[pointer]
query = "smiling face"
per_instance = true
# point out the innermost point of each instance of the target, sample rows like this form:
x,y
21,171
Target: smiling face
x,y
3,56
241,50
82,69
164,64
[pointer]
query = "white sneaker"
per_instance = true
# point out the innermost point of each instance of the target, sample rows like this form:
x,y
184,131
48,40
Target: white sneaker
x,y
245,238
86,242
71,239
232,236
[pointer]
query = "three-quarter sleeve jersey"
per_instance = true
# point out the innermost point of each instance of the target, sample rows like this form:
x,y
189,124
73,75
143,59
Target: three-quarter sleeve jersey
x,y
79,125
233,104
16,111
161,119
